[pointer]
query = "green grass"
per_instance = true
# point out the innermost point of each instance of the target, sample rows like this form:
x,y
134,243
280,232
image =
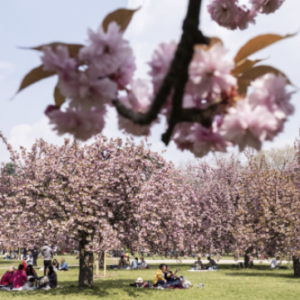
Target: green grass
x,y
260,283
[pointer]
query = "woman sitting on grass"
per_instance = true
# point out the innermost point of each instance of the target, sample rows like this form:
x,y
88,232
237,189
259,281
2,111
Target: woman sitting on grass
x,y
55,264
31,272
19,277
159,276
63,265
49,280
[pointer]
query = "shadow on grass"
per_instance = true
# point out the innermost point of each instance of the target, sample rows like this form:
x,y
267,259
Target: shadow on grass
x,y
100,289
267,273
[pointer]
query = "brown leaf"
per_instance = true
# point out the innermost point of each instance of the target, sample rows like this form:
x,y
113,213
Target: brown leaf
x,y
35,75
244,65
213,41
257,44
251,74
73,48
121,16
59,98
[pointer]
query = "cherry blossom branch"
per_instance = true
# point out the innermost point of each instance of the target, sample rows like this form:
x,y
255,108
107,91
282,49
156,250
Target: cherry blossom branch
x,y
176,78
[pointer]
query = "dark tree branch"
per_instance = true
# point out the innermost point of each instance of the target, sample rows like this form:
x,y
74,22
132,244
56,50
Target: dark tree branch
x,y
175,80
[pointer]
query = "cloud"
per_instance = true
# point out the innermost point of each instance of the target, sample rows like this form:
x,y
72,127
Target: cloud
x,y
6,69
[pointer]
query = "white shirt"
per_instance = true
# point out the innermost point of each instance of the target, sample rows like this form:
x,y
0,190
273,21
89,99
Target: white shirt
x,y
274,264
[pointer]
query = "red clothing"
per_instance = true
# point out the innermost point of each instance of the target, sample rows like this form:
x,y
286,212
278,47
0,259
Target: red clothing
x,y
7,278
24,264
19,278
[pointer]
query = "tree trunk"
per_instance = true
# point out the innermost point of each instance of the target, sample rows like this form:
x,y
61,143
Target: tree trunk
x,y
296,265
101,259
86,262
247,257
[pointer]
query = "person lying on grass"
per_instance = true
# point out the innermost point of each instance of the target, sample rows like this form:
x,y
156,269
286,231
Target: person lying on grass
x,y
159,276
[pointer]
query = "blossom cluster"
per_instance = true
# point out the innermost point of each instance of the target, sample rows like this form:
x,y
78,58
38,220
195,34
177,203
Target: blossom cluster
x,y
232,15
89,80
103,70
247,121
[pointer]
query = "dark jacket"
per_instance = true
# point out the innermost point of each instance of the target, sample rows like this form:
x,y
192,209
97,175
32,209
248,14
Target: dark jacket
x,y
52,280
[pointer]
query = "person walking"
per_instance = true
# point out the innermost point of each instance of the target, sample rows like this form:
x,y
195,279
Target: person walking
x,y
47,253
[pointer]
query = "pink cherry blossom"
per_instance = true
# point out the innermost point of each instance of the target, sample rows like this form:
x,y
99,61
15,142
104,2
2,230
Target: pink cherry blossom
x,y
267,6
139,100
198,139
59,60
87,92
210,72
81,124
160,63
106,50
270,91
224,12
245,125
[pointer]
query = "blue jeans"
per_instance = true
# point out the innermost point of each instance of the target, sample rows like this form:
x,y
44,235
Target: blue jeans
x,y
213,268
174,282
159,282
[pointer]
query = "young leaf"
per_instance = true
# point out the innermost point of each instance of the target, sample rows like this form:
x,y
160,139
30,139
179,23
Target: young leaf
x,y
258,43
73,48
258,71
244,65
35,75
251,74
121,16
59,98
213,41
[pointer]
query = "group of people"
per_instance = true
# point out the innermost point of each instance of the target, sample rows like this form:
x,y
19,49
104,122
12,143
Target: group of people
x,y
198,265
27,279
124,263
164,279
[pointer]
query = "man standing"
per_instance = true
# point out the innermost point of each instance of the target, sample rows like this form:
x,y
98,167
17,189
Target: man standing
x,y
35,256
47,252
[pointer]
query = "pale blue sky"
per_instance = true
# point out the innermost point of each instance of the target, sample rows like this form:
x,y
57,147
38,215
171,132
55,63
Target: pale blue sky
x,y
34,22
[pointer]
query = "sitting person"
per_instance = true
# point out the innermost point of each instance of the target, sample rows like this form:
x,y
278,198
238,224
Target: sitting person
x,y
198,265
31,272
7,255
28,286
143,264
159,276
49,280
123,263
55,264
19,277
63,265
134,264
275,263
212,264
7,278
171,277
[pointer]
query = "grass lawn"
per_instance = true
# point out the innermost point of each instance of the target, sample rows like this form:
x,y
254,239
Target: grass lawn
x,y
227,284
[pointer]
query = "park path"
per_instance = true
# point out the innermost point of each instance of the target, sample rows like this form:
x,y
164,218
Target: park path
x,y
184,261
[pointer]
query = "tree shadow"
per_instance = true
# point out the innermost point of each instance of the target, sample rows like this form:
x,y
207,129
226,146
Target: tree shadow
x,y
100,289
267,273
